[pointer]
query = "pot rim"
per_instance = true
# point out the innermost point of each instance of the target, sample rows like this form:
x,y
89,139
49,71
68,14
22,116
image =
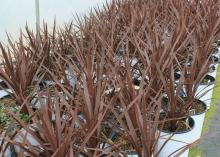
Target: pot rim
x,y
178,75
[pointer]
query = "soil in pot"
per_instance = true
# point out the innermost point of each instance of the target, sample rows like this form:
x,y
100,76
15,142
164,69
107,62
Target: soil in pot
x,y
212,69
115,137
181,125
197,107
208,80
214,59
171,143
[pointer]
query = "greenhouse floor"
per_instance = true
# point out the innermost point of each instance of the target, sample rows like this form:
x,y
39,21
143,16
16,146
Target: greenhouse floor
x,y
209,146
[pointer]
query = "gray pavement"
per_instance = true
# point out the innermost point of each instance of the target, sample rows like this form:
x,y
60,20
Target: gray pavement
x,y
210,143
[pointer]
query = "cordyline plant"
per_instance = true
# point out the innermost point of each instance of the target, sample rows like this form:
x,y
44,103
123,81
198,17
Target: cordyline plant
x,y
137,112
93,108
55,129
204,29
161,36
158,51
167,58
89,70
206,32
95,51
162,42
201,32
21,66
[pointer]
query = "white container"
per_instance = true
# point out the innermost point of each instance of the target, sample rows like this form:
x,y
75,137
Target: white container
x,y
70,77
176,143
204,93
22,136
214,74
132,155
199,120
37,102
134,61
7,152
4,93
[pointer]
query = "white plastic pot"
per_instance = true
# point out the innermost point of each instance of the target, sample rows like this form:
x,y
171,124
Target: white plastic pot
x,y
7,152
134,61
37,102
199,120
204,93
176,142
70,77
4,93
132,155
214,74
23,135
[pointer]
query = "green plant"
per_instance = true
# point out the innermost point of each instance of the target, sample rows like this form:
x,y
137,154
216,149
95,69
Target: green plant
x,y
5,119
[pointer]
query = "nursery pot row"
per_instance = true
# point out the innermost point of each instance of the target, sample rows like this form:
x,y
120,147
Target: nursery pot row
x,y
176,143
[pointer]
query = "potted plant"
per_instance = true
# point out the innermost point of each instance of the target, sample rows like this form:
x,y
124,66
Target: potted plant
x,y
196,73
137,123
21,67
177,127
